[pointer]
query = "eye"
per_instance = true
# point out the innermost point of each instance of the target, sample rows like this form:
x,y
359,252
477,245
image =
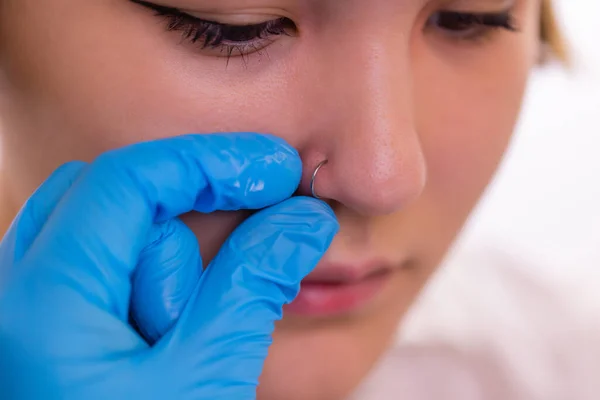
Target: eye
x,y
471,25
222,39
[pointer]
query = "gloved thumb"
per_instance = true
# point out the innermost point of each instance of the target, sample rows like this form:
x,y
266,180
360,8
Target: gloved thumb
x,y
218,347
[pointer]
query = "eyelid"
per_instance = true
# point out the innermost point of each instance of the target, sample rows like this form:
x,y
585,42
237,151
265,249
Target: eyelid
x,y
221,39
478,6
191,18
237,19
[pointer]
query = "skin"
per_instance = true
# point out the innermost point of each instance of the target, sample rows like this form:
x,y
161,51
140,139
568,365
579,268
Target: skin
x,y
413,122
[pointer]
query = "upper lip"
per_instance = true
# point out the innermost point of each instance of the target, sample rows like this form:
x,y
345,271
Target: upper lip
x,y
329,272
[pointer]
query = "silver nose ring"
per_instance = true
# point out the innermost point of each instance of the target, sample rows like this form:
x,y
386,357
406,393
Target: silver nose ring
x,y
314,177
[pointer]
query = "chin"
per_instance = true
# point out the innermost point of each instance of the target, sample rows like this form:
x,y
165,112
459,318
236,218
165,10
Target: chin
x,y
329,358
316,364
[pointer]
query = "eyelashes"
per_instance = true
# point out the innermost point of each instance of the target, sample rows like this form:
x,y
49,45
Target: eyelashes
x,y
241,40
213,34
472,25
227,39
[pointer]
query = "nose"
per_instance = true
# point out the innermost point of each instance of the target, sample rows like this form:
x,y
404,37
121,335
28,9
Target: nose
x,y
366,130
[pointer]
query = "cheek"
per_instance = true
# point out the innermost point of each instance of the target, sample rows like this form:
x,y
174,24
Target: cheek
x,y
464,154
466,131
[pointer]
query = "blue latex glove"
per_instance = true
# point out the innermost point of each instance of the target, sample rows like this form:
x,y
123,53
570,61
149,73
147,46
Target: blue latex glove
x,y
100,242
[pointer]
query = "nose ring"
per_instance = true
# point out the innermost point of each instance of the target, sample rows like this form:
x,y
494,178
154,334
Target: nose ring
x,y
314,177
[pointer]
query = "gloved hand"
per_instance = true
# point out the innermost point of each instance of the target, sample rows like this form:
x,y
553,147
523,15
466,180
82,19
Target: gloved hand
x,y
99,242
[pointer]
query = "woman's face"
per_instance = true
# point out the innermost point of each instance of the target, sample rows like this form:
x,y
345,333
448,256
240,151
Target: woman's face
x,y
411,104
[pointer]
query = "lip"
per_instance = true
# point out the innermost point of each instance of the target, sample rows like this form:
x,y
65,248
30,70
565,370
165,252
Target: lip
x,y
338,289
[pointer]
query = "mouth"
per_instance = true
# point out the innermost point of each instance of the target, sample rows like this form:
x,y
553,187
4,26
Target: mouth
x,y
339,289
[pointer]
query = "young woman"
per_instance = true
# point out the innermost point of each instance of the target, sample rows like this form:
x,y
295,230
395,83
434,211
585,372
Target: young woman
x,y
399,111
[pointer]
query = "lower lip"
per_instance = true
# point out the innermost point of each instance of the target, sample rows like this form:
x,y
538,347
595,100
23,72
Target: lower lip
x,y
325,300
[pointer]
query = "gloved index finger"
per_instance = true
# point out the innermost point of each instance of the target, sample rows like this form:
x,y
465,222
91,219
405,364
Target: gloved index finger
x,y
93,238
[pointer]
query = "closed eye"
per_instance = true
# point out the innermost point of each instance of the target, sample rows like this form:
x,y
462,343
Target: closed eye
x,y
228,39
471,25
